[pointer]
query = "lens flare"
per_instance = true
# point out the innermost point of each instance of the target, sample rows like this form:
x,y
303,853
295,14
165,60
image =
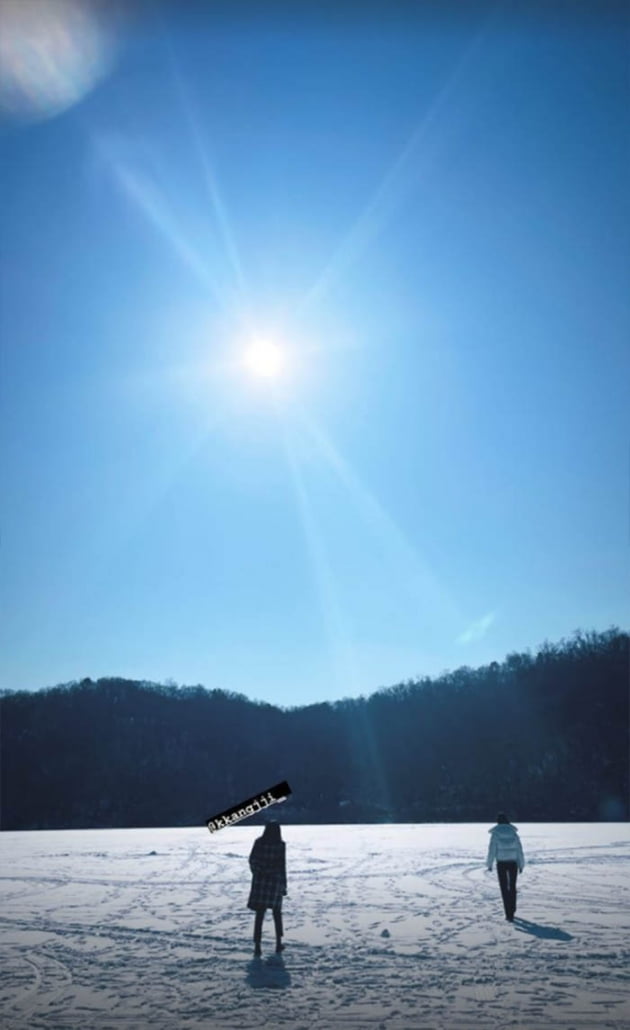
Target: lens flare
x,y
52,53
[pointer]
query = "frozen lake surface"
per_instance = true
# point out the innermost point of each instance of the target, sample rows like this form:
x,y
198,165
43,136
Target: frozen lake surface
x,y
139,928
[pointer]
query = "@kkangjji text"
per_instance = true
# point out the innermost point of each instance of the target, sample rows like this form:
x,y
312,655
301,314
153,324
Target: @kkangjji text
x,y
252,806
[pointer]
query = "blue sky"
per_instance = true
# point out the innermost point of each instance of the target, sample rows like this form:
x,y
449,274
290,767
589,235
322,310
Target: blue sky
x,y
429,216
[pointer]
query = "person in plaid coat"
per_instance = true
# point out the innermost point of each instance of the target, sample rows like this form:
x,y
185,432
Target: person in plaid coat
x,y
267,862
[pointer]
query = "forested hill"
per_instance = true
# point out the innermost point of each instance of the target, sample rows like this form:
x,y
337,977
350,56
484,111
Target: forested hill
x,y
544,736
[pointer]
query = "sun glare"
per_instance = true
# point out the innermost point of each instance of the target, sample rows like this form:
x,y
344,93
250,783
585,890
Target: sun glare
x,y
264,359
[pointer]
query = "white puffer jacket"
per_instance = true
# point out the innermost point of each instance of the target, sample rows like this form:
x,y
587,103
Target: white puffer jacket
x,y
505,846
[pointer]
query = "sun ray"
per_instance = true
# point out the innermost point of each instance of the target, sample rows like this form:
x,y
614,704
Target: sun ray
x,y
148,198
398,183
337,631
342,648
369,745
423,582
217,203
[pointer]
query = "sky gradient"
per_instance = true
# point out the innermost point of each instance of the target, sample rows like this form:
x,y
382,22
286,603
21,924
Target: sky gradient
x,y
430,215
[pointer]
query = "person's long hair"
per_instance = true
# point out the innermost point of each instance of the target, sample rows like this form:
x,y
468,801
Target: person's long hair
x,y
272,833
502,818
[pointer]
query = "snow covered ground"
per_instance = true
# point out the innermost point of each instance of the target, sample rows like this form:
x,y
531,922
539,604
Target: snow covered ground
x,y
139,928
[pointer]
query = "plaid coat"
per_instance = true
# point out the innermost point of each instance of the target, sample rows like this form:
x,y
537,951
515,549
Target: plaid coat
x,y
269,882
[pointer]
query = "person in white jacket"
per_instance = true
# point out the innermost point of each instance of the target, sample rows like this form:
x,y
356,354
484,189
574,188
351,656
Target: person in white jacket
x,y
505,846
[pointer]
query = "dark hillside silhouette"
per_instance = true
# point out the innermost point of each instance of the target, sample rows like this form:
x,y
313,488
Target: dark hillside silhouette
x,y
545,735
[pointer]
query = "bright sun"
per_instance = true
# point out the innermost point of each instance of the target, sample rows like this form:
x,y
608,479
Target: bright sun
x,y
264,359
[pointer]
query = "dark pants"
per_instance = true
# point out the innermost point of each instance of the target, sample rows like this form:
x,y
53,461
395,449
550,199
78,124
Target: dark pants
x,y
507,873
258,921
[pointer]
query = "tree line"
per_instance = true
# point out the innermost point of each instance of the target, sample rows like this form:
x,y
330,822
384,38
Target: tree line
x,y
543,735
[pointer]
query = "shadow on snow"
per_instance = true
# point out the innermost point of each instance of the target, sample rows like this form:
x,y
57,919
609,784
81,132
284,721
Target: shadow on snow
x,y
271,973
549,933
